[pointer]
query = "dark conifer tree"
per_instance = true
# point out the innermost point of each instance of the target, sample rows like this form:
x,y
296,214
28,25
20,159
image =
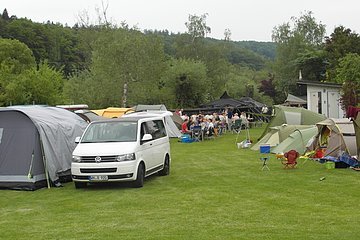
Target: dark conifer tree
x,y
5,15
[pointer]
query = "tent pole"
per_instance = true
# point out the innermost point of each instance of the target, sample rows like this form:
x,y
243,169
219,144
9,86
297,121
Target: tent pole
x,y
30,176
44,162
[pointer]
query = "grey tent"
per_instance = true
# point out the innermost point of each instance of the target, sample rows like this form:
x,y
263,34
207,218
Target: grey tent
x,y
162,108
36,144
292,100
141,107
89,116
170,126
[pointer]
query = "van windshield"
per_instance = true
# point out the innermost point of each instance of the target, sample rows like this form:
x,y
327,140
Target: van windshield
x,y
110,132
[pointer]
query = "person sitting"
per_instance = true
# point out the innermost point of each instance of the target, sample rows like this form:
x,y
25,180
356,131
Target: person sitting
x,y
184,127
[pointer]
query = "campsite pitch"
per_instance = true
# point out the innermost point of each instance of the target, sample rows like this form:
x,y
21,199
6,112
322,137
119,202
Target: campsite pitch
x,y
214,191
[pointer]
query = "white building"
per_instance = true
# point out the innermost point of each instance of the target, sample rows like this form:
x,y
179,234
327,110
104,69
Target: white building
x,y
323,98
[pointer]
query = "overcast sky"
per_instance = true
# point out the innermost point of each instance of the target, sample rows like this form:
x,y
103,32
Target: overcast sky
x,y
247,20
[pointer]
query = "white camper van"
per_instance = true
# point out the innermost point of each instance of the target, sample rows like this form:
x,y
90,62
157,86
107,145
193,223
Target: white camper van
x,y
121,149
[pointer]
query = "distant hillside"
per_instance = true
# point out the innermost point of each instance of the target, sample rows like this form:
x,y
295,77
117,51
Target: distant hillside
x,y
250,54
266,49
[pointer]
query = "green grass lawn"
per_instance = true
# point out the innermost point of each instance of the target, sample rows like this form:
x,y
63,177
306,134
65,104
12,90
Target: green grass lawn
x,y
214,191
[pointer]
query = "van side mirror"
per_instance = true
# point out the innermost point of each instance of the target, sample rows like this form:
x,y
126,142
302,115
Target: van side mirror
x,y
147,137
77,140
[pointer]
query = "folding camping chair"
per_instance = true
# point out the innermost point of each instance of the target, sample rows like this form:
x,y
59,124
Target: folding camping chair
x,y
290,158
236,128
196,133
265,155
247,133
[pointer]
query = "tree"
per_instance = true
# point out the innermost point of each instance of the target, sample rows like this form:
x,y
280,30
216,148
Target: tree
x,y
312,64
267,86
40,86
190,45
186,81
197,27
243,82
227,35
293,40
126,61
15,56
5,15
348,73
341,42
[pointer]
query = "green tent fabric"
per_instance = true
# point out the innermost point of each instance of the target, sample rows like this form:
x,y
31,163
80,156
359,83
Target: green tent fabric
x,y
356,123
292,116
296,141
292,100
278,134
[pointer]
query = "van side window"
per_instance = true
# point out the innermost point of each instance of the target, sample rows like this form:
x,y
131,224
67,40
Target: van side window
x,y
143,130
156,129
161,127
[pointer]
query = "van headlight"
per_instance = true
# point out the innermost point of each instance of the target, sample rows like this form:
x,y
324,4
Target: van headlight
x,y
125,157
76,158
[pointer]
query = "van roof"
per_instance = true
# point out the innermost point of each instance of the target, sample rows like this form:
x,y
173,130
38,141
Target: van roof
x,y
129,119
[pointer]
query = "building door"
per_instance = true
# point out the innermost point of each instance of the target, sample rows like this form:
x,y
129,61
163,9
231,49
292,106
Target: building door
x,y
333,104
315,99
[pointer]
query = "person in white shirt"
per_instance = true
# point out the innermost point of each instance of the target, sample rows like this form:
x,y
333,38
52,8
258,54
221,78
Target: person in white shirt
x,y
244,119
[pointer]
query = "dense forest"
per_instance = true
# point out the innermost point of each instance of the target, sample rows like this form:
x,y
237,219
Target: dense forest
x,y
106,64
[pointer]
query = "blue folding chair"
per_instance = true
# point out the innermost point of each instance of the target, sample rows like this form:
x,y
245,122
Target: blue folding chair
x,y
265,155
196,133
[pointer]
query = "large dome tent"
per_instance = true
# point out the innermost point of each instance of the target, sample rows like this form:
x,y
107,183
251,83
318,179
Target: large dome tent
x,y
36,144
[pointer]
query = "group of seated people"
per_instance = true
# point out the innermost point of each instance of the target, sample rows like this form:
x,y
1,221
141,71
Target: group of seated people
x,y
211,124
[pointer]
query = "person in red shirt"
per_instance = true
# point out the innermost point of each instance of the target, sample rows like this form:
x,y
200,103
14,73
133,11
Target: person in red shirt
x,y
184,127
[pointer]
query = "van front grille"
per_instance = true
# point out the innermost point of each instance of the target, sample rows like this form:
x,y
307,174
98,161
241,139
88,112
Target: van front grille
x,y
98,170
91,159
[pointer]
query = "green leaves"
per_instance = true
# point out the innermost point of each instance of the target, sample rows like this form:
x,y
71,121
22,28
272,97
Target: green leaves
x,y
186,80
22,82
298,48
348,73
15,56
39,86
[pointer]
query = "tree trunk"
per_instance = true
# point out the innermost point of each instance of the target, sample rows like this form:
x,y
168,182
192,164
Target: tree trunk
x,y
124,98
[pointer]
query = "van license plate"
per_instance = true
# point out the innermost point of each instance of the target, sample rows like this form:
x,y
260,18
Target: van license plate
x,y
98,178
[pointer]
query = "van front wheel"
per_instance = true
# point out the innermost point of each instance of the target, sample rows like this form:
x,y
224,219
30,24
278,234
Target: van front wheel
x,y
166,170
139,182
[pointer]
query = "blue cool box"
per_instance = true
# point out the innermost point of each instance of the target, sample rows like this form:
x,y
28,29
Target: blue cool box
x,y
265,149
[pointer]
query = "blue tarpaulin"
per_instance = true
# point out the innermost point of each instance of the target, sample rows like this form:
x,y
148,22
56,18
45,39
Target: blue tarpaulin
x,y
345,157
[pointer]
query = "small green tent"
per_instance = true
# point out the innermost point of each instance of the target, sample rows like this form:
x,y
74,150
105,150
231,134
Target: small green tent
x,y
278,134
292,116
296,141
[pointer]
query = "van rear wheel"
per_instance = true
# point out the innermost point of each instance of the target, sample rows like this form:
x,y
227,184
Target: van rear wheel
x,y
166,170
139,182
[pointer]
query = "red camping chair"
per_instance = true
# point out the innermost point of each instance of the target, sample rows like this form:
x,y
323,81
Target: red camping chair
x,y
290,159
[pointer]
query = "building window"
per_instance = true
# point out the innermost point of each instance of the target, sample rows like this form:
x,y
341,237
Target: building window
x,y
319,103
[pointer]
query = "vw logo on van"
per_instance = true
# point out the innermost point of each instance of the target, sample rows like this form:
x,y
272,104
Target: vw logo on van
x,y
97,159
